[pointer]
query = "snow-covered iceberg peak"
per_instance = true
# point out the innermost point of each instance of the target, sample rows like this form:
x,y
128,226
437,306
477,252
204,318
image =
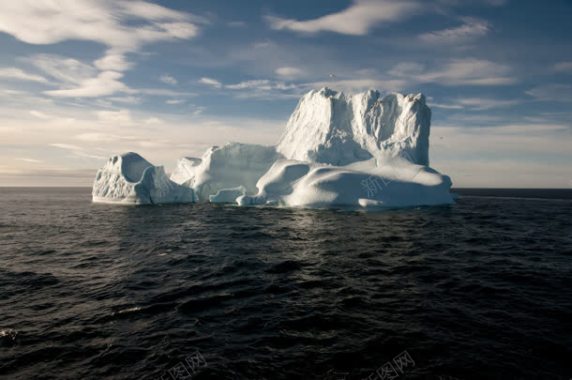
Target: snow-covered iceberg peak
x,y
333,128
129,178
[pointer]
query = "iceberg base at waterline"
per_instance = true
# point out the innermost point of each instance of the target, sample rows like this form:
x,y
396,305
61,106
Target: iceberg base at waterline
x,y
360,151
301,184
130,179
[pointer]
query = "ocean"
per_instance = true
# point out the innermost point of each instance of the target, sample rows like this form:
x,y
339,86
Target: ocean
x,y
478,290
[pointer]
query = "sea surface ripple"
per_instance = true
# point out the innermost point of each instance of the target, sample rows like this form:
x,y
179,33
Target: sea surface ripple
x,y
478,290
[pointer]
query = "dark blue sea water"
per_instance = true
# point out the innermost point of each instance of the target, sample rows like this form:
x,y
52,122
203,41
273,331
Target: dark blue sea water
x,y
478,290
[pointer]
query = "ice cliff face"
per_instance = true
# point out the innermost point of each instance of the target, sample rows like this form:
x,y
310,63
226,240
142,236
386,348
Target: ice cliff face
x,y
333,128
130,179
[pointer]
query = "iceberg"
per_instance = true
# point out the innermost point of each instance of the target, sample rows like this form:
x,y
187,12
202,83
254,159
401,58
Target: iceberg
x,y
130,179
361,151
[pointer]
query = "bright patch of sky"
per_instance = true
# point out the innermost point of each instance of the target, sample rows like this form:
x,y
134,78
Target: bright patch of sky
x,y
83,79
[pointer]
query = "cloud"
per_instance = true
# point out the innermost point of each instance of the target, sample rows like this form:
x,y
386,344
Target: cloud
x,y
30,160
97,137
126,99
198,110
174,101
552,93
357,20
289,72
260,84
78,79
154,12
113,61
66,146
41,115
119,117
162,92
168,79
123,26
63,69
265,89
468,71
153,121
470,30
359,84
563,67
52,119
110,23
210,82
77,151
14,73
476,103
106,83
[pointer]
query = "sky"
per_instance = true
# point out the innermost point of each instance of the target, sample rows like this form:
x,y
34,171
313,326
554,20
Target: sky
x,y
81,80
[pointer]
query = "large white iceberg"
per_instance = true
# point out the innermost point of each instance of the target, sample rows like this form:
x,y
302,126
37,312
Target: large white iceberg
x,y
364,151
130,179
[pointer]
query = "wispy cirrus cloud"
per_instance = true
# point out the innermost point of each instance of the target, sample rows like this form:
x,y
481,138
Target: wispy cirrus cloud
x,y
174,101
14,73
63,69
563,67
289,72
168,79
474,103
552,93
30,160
105,83
210,82
470,30
265,89
466,71
357,20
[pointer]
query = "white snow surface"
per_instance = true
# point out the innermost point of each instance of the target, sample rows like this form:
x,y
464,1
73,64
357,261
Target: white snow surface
x,y
226,167
361,151
314,185
130,179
